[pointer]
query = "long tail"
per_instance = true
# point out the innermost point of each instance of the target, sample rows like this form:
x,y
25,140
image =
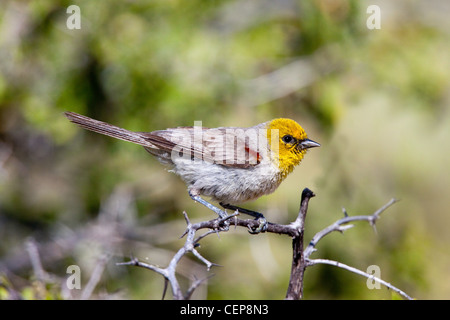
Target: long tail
x,y
107,129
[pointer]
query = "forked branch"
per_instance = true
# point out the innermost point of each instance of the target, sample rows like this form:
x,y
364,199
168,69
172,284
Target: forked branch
x,y
300,256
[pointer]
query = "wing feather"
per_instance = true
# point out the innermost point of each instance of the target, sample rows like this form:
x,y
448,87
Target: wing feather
x,y
232,147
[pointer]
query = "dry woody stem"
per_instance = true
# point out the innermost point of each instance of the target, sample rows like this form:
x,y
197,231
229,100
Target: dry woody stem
x,y
300,255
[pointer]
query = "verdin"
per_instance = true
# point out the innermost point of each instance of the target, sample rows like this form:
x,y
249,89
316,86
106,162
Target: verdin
x,y
228,164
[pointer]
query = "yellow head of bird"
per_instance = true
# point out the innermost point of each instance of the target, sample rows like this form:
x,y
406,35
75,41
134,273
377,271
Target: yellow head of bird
x,y
288,144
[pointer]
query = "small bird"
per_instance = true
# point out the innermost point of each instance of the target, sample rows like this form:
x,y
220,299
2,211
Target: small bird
x,y
230,165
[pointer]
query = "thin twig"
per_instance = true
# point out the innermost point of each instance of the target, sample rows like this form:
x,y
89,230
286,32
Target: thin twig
x,y
295,230
165,288
357,271
95,277
33,253
338,226
195,285
137,263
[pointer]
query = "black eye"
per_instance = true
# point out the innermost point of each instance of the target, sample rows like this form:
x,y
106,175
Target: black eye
x,y
287,138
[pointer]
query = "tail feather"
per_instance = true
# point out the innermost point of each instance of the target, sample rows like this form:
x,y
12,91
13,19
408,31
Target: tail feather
x,y
107,129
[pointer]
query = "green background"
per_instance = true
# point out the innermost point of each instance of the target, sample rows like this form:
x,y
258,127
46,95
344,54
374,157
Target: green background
x,y
378,101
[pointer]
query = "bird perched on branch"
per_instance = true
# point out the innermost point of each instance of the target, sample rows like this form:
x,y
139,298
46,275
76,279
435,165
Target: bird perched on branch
x,y
228,164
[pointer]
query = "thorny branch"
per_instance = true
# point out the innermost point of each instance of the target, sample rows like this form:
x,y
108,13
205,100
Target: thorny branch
x,y
357,271
169,273
300,257
341,226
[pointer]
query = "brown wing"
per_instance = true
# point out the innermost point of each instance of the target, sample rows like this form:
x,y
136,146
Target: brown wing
x,y
233,147
172,143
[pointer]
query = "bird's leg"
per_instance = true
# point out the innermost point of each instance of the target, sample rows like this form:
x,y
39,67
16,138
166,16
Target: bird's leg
x,y
222,214
258,216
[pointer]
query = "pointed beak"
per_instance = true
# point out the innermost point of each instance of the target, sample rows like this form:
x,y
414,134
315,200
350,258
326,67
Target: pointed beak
x,y
307,143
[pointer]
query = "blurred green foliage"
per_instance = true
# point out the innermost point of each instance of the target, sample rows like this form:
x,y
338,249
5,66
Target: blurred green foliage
x,y
377,100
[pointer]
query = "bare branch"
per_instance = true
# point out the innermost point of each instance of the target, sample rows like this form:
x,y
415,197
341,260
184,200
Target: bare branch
x,y
205,261
194,286
295,288
357,271
337,226
95,277
169,273
137,263
33,253
166,282
300,259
